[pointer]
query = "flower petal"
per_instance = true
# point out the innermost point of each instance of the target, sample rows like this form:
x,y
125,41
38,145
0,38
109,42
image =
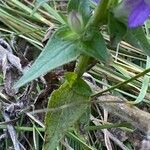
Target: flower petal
x,y
139,14
96,1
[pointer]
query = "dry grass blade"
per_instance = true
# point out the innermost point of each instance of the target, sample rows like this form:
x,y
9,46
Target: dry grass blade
x,y
12,132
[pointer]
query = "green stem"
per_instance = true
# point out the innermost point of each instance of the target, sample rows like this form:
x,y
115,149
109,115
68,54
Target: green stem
x,y
100,15
121,83
107,126
82,65
29,129
98,18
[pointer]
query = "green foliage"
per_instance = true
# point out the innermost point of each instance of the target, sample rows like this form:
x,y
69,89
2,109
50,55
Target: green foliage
x,y
75,22
57,123
87,41
65,46
117,30
137,38
145,84
49,9
82,7
96,47
58,51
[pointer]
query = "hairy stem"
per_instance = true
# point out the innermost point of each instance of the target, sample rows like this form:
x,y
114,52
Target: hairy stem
x,y
98,19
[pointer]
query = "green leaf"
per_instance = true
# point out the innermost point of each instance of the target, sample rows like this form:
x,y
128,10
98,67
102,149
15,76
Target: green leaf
x,y
109,126
116,30
137,38
77,140
58,122
49,9
96,47
82,7
79,86
60,49
145,84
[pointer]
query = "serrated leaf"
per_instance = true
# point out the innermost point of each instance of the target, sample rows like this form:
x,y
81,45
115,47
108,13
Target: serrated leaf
x,y
57,123
96,48
136,37
58,51
81,6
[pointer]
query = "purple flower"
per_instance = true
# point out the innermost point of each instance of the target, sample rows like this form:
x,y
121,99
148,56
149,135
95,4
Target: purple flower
x,y
137,11
140,12
96,1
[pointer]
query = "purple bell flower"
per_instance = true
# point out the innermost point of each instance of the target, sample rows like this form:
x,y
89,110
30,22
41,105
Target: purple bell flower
x,y
96,1
139,11
135,11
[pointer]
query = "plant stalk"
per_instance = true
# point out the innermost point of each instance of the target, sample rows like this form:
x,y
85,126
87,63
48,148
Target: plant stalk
x,y
100,15
99,18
